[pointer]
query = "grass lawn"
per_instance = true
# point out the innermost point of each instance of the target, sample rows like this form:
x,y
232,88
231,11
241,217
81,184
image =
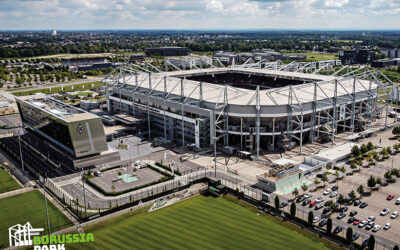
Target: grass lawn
x,y
30,207
57,89
199,223
7,183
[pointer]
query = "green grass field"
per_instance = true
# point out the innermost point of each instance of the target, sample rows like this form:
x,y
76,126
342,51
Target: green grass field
x,y
58,89
30,207
199,223
7,183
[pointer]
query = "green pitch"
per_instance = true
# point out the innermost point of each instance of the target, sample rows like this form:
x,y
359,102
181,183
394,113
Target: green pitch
x,y
30,207
7,183
198,223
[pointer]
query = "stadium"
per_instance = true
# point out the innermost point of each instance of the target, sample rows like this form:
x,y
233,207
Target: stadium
x,y
254,107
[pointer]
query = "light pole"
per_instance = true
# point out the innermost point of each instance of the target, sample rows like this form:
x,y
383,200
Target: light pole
x,y
84,195
43,181
20,153
215,156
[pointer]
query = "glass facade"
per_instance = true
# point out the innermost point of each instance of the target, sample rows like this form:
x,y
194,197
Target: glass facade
x,y
45,124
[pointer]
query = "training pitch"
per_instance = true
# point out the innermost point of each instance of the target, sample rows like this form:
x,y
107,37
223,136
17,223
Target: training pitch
x,y
199,223
7,183
29,207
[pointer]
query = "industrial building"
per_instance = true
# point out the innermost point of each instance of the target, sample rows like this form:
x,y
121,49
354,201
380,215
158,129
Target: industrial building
x,y
258,107
76,134
167,51
356,56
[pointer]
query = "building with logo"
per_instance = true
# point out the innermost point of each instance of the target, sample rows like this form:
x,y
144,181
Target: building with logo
x,y
75,132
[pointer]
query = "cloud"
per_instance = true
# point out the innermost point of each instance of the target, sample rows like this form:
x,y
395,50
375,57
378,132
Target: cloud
x,y
199,14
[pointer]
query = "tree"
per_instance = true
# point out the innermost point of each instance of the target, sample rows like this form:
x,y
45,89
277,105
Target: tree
x,y
349,234
388,175
310,217
340,199
375,156
293,209
371,242
371,182
304,187
337,174
370,146
384,153
396,247
295,193
356,151
353,165
316,182
396,131
324,178
360,189
389,150
343,169
329,226
364,149
277,202
352,195
379,181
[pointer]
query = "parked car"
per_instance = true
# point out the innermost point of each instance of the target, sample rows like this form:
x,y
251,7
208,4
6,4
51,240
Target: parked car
x,y
376,228
394,215
357,202
385,211
319,206
319,199
362,224
355,236
283,204
316,219
365,243
300,199
333,194
334,188
390,197
338,229
344,209
97,173
398,201
387,226
351,220
356,222
326,210
306,202
312,204
328,191
369,225
341,216
308,195
322,223
371,218
353,212
363,205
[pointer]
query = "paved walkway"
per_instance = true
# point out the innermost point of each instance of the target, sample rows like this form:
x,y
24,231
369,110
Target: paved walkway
x,y
15,192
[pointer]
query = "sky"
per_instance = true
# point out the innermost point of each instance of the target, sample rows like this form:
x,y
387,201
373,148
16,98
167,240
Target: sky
x,y
199,14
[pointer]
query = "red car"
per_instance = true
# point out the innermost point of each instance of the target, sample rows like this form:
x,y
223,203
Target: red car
x,y
356,222
313,204
390,197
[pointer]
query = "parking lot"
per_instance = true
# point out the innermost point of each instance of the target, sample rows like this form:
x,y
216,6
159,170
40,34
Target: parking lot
x,y
9,121
125,178
376,201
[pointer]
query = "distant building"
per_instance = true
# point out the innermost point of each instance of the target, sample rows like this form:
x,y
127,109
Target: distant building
x,y
167,51
83,61
382,63
357,56
136,57
54,33
392,53
226,57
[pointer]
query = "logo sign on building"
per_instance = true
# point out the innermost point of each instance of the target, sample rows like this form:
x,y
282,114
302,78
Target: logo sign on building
x,y
197,133
79,128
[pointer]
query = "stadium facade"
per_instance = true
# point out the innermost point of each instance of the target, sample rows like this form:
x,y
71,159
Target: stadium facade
x,y
258,108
